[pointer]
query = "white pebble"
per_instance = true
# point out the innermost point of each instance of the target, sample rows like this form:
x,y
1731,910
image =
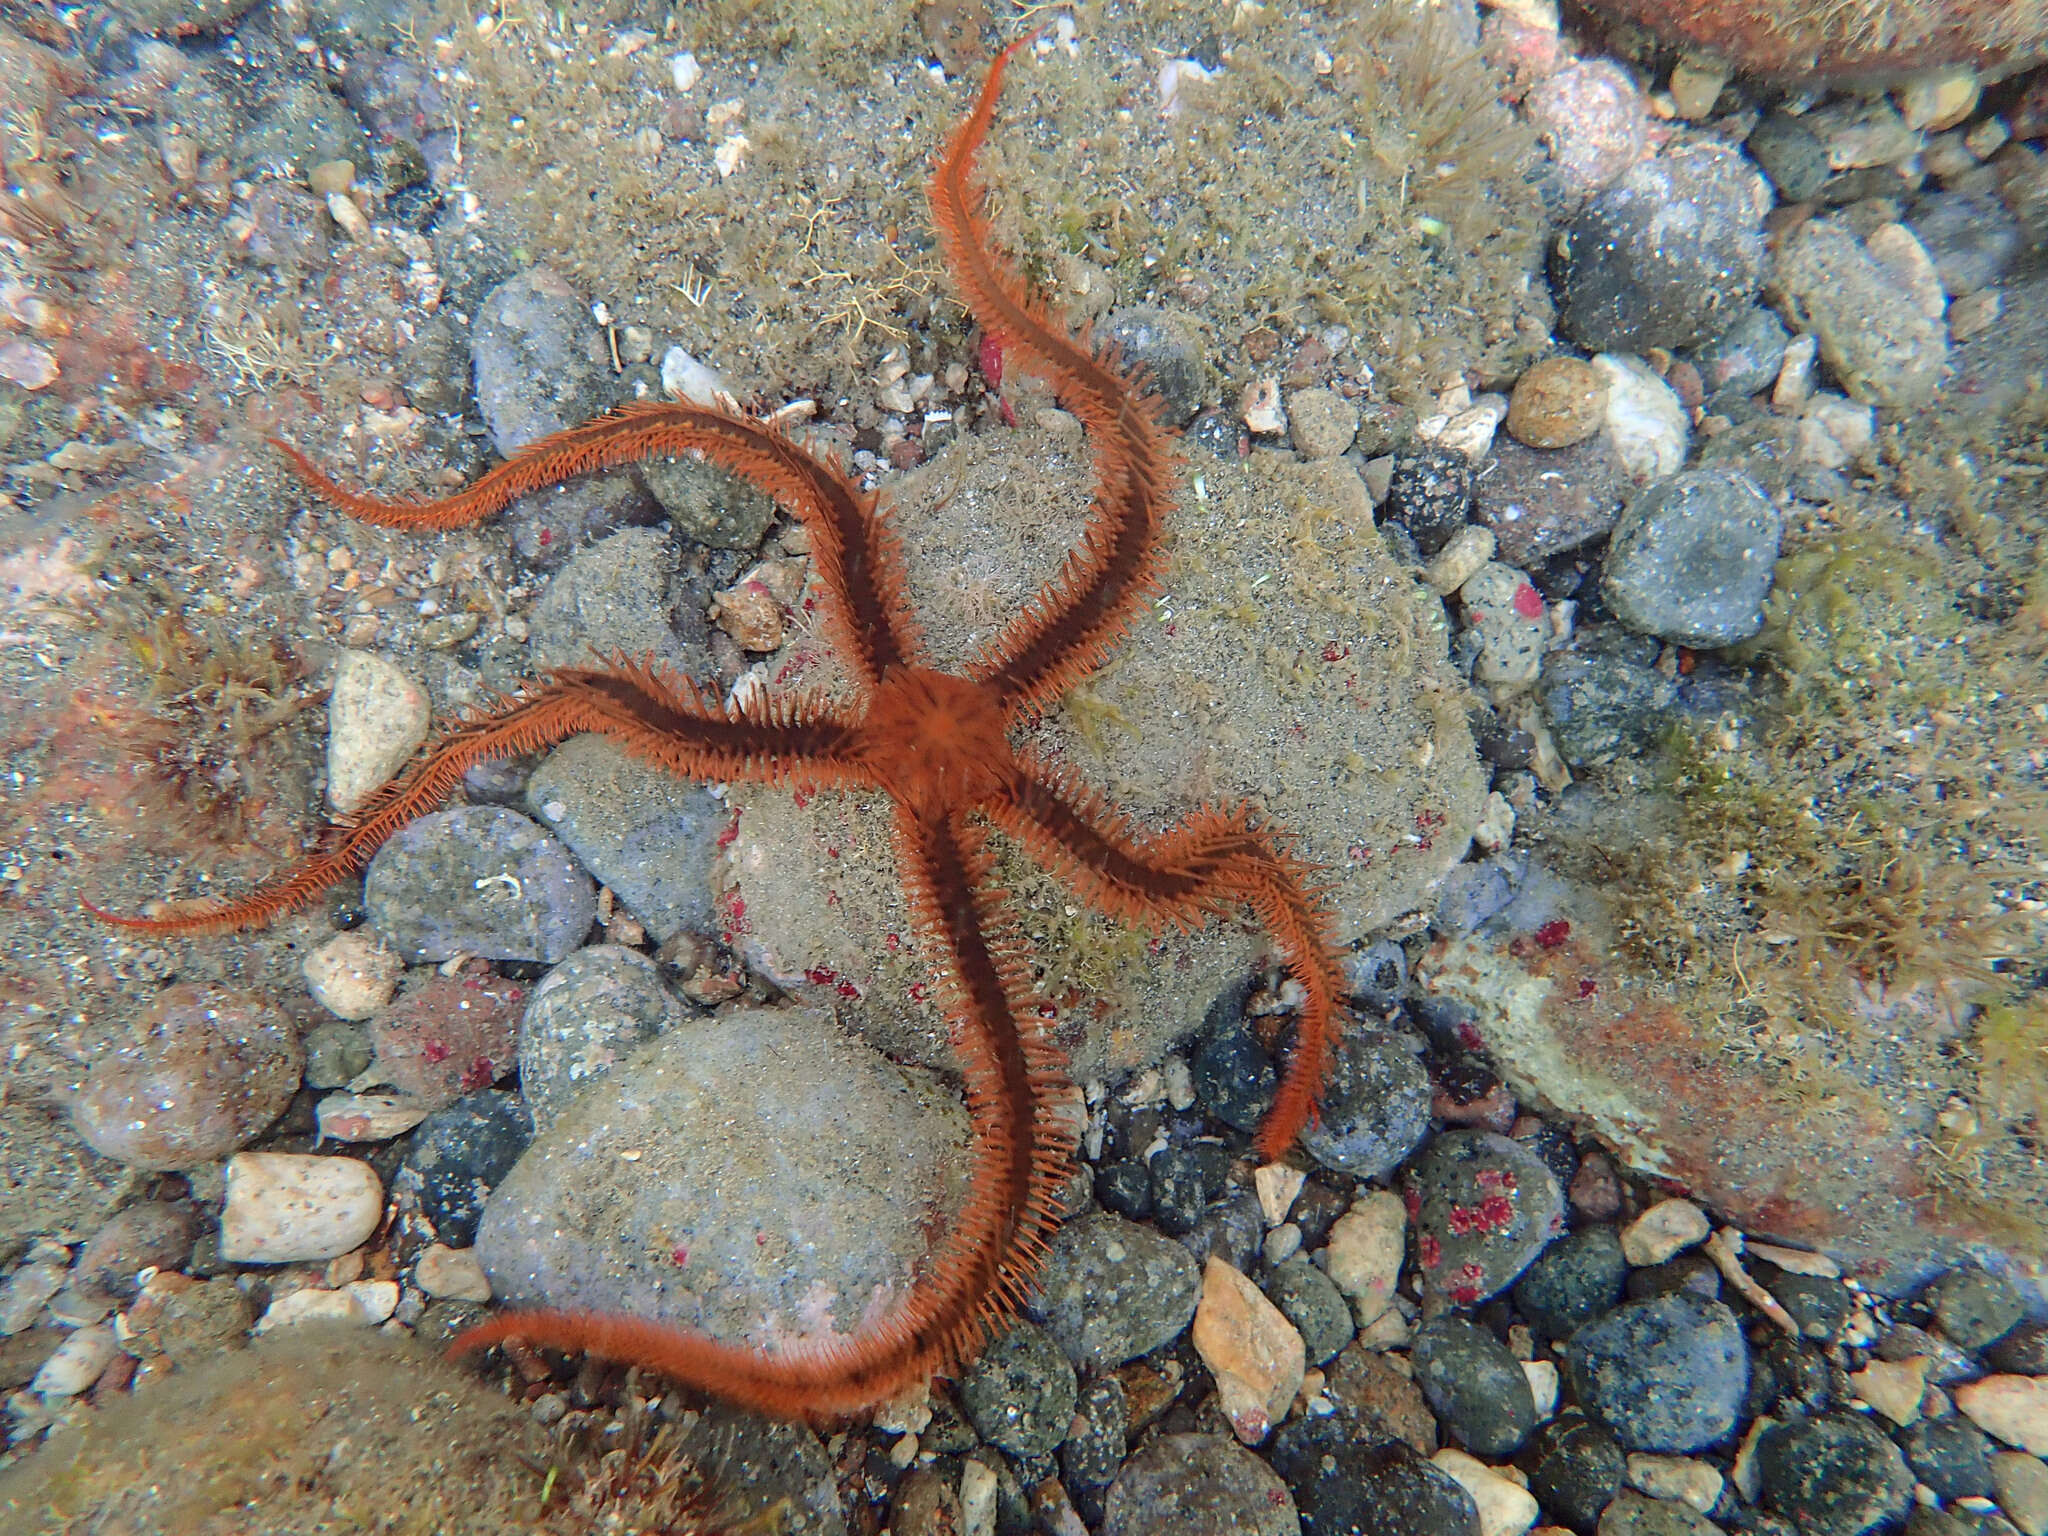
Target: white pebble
x,y
353,974
1260,409
377,717
1645,420
284,1206
1505,1507
1666,1228
1496,826
1543,1384
451,1273
77,1362
684,378
1794,383
1276,1185
1471,547
977,1498
359,1304
685,71
1471,431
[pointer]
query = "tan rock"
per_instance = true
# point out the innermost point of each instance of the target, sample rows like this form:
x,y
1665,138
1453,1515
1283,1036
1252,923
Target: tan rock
x,y
1365,1250
1893,1388
283,1207
377,716
1251,1349
452,1273
353,974
1505,1507
1558,402
2021,1483
1666,1228
2013,1408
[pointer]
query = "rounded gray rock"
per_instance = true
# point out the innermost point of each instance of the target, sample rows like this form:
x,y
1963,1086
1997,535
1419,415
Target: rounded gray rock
x,y
478,880
1668,1374
1112,1290
1375,1106
1198,1485
1691,559
1666,256
761,1177
540,360
1020,1392
647,835
583,1017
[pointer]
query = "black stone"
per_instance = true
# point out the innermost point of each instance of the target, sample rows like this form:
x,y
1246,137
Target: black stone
x,y
1951,1456
1575,1469
1234,1078
1430,494
1666,1375
1343,1488
1573,1281
1833,1476
1125,1187
457,1156
1474,1385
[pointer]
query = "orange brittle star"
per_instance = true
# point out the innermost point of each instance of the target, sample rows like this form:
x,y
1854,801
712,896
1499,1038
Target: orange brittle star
x,y
938,745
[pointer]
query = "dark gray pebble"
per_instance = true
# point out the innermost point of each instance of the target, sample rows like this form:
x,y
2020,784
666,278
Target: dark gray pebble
x,y
1310,1300
1346,1488
1484,1208
1952,1456
1469,894
2022,1352
622,596
1094,1453
457,1156
708,505
1230,1230
156,1234
1198,1485
1545,502
1375,1105
1430,495
1475,1386
1636,1514
1125,1187
1833,1476
1602,706
1691,558
1744,360
1575,1469
1663,1375
1791,155
1112,1290
1972,238
1377,975
1234,1077
550,525
1573,1281
1817,1304
1179,1191
478,880
1973,1307
1665,257
1020,1392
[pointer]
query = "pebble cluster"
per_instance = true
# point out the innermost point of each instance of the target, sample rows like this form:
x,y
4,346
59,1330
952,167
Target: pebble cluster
x,y
537,1077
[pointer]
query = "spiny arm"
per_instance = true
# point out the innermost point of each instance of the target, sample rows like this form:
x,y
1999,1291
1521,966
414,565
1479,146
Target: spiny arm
x,y
981,1271
656,718
1208,865
1070,629
856,555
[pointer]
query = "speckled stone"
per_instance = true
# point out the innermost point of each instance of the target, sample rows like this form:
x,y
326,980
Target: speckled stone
x,y
583,1017
478,880
1375,1106
1691,558
1668,1374
211,1068
1198,1485
1020,1392
1475,1385
763,1171
1112,1290
1834,1475
1484,1207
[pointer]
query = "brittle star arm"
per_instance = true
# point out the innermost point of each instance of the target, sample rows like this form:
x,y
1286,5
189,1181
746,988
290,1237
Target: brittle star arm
x,y
853,550
657,718
1207,866
1070,628
979,1273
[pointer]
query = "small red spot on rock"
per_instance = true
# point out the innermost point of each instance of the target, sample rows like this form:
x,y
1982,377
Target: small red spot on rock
x,y
1587,987
1431,1250
680,1255
990,355
1553,933
436,1051
1528,601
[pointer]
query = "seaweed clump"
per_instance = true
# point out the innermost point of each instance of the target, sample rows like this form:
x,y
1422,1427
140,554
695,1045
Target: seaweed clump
x,y
198,751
